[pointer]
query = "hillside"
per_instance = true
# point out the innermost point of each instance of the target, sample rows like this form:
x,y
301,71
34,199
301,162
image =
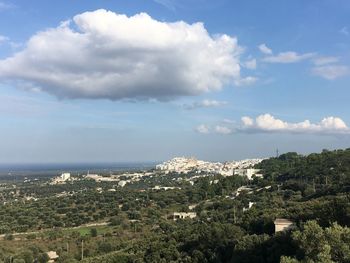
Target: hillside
x,y
234,216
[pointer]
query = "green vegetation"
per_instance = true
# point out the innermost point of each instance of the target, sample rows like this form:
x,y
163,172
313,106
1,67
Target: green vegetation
x,y
133,224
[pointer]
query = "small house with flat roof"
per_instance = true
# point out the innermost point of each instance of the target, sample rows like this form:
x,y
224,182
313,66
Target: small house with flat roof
x,y
282,224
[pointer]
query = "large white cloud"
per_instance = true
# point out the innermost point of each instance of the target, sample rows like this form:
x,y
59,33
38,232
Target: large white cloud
x,y
102,54
268,123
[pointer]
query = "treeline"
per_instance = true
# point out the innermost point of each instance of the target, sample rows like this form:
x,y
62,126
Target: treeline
x,y
320,170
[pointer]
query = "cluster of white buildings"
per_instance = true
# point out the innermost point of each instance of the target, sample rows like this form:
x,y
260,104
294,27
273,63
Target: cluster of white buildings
x,y
99,178
186,165
120,179
179,164
61,179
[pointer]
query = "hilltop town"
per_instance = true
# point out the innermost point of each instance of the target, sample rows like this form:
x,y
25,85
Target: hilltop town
x,y
230,168
191,167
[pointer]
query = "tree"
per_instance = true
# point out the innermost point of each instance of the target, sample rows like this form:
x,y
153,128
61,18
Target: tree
x,y
288,260
8,237
313,243
43,258
27,255
93,232
339,239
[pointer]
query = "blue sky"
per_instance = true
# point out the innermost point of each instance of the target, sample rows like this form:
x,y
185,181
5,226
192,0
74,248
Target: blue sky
x,y
109,81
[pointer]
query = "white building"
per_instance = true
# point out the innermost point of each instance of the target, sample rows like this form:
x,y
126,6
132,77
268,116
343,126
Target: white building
x,y
250,205
249,173
158,187
191,207
183,215
99,178
122,183
52,256
65,176
282,224
61,179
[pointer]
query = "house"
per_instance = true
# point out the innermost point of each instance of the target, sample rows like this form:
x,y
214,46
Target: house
x,y
65,176
250,205
282,224
249,173
61,179
52,256
122,183
183,215
191,207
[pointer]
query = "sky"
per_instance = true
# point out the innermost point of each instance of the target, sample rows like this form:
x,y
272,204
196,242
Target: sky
x,y
148,80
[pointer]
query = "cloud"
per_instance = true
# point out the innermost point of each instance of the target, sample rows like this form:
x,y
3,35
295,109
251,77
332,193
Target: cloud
x,y
15,45
6,40
170,4
268,123
204,129
218,129
247,121
344,31
228,121
223,129
205,104
325,60
245,81
331,72
102,54
5,6
264,49
250,64
3,39
288,57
